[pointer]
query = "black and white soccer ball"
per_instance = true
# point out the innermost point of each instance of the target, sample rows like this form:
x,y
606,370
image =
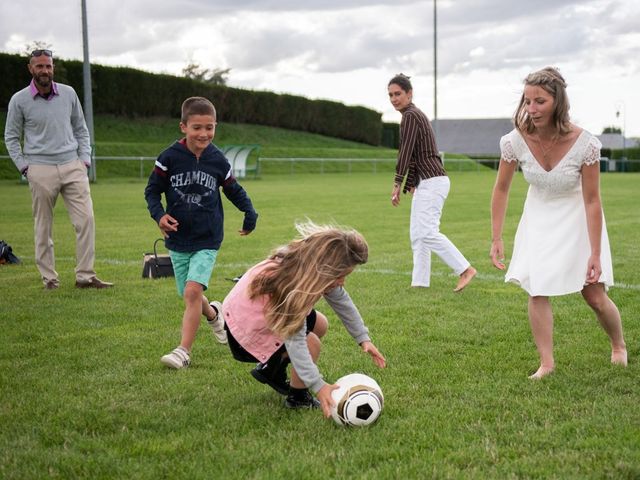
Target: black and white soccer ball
x,y
358,400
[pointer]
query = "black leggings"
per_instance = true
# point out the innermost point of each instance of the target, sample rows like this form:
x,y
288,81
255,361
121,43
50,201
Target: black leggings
x,y
240,354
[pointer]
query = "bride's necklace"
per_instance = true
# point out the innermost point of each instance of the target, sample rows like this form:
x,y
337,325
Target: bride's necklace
x,y
545,151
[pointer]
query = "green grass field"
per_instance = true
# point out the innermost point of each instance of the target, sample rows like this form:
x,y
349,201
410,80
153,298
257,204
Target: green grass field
x,y
84,394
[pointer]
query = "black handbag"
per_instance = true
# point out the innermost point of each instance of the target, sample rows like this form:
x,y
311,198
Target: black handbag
x,y
157,266
6,253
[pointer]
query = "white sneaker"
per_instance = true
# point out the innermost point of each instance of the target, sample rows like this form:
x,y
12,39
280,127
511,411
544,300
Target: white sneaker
x,y
178,358
217,324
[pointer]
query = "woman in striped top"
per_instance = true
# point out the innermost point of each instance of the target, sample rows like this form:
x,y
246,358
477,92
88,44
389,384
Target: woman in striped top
x,y
426,179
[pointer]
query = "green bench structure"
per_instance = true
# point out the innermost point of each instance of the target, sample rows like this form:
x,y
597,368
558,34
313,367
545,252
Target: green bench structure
x,y
238,156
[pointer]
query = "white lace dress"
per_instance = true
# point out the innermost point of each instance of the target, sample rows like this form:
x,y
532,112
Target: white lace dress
x,y
551,247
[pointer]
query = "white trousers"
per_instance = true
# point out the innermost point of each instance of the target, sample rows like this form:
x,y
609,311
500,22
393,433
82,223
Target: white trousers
x,y
424,230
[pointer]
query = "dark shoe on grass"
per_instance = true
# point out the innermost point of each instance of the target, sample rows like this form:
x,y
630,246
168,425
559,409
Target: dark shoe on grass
x,y
303,399
275,377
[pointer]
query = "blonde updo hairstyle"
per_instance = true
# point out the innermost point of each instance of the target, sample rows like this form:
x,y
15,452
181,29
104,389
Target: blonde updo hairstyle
x,y
550,80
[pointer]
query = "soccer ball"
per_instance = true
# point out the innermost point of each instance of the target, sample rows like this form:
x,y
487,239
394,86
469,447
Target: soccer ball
x,y
358,400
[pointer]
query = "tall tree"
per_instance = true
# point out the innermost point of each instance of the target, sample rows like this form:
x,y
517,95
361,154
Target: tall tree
x,y
36,45
214,76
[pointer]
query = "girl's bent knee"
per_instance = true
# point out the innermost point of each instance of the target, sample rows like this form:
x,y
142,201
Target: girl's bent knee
x,y
322,325
314,344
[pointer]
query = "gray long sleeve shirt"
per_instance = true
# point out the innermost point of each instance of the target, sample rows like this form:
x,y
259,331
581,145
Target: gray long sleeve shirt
x,y
341,303
54,129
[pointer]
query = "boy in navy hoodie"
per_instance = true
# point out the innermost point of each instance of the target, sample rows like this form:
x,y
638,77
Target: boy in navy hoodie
x,y
190,174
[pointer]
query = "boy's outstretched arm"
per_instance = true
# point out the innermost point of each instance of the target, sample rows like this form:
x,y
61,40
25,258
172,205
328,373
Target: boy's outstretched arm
x,y
156,185
238,196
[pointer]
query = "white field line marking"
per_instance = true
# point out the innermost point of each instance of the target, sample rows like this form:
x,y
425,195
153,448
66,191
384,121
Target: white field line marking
x,y
378,271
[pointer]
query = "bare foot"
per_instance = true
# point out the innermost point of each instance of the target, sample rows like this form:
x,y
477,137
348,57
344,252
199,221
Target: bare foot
x,y
542,372
465,278
619,357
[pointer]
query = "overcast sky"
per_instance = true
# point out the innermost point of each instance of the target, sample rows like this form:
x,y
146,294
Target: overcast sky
x,y
346,50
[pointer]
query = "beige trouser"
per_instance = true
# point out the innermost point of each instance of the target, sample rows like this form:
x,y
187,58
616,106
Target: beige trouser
x,y
71,181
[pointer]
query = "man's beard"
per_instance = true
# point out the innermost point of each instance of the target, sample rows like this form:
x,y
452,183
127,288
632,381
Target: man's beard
x,y
43,80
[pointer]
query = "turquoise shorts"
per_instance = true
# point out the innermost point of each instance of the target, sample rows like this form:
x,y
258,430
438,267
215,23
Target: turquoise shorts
x,y
193,267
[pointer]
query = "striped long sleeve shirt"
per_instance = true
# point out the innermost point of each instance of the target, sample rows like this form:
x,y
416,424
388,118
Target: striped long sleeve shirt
x,y
418,157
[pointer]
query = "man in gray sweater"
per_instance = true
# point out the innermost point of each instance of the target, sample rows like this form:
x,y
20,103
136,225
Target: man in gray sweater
x,y
54,159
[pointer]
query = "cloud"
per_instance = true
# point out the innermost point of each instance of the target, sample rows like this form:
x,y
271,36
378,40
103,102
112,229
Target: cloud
x,y
322,36
347,49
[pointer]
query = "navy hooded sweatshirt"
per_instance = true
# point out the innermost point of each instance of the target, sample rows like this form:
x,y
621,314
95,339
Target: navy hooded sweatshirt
x,y
191,189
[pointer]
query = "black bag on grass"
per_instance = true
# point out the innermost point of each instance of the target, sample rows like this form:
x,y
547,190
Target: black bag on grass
x,y
157,266
6,253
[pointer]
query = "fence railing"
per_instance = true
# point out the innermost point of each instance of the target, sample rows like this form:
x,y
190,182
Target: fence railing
x,y
348,165
292,165
323,163
143,174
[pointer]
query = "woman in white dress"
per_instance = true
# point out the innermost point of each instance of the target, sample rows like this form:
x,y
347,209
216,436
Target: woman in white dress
x,y
561,245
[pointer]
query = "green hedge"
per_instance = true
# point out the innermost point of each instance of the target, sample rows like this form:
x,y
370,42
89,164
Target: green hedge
x,y
135,93
630,153
627,160
390,135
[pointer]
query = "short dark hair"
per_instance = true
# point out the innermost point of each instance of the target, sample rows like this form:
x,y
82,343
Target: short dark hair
x,y
402,81
197,106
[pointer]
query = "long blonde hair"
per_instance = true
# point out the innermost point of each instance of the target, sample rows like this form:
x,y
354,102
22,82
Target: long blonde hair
x,y
303,270
550,80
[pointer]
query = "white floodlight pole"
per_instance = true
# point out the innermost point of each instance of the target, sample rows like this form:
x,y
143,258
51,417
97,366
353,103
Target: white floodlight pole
x,y
621,111
435,61
435,70
88,98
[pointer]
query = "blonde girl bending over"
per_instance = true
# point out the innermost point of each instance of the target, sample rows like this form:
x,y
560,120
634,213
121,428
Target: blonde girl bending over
x,y
270,317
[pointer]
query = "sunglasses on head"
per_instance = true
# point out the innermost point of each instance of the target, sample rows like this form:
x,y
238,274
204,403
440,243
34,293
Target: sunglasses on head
x,y
39,52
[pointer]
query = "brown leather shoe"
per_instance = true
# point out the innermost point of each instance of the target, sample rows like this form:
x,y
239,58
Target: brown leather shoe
x,y
51,285
95,282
